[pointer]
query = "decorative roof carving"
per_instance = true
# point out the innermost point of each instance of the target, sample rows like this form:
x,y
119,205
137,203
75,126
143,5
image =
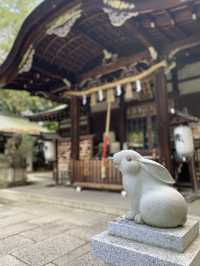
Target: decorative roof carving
x,y
119,11
109,57
63,25
27,61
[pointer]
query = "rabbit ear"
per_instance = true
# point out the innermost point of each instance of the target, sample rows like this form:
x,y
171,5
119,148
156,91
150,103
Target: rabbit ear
x,y
157,171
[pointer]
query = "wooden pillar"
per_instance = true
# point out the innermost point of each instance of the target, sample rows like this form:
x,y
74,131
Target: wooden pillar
x,y
149,132
122,121
75,127
56,166
89,119
175,87
75,134
161,99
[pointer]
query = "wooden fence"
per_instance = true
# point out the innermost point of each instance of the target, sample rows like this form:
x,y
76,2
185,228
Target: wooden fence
x,y
87,173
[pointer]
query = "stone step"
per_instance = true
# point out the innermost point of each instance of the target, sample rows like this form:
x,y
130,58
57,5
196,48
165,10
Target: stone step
x,y
117,251
177,239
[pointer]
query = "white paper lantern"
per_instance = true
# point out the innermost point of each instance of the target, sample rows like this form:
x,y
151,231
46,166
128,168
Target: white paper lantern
x,y
49,151
184,144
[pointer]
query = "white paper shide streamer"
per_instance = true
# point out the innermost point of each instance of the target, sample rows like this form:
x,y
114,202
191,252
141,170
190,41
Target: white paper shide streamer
x,y
84,100
100,95
118,90
138,86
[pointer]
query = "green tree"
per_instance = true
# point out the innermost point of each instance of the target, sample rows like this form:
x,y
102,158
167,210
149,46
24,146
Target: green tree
x,y
20,101
12,14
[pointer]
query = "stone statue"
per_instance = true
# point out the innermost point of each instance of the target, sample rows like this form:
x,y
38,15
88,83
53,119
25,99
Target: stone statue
x,y
154,201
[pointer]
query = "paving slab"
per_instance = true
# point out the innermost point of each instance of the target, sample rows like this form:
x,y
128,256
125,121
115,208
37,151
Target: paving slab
x,y
17,218
11,261
86,260
15,229
7,211
46,231
71,256
46,251
44,220
85,218
12,244
78,257
84,232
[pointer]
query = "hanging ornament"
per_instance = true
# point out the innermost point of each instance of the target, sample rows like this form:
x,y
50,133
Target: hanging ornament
x,y
118,90
128,91
84,100
100,95
110,96
93,100
138,85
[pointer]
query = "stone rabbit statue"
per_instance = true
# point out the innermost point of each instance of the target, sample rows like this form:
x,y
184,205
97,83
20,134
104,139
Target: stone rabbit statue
x,y
149,187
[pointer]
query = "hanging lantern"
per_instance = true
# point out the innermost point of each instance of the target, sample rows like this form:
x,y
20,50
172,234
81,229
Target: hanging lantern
x,y
129,91
138,85
93,100
110,96
100,95
118,90
184,144
84,100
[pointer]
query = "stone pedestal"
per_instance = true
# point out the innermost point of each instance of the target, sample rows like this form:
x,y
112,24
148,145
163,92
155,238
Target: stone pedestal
x,y
126,243
11,176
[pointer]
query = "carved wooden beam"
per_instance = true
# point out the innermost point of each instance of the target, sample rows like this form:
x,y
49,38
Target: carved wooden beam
x,y
120,63
176,24
172,50
157,5
142,37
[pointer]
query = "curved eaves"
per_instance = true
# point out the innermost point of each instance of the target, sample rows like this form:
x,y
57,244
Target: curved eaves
x,y
32,28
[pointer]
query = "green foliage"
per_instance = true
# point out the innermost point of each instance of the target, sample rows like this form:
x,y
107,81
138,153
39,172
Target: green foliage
x,y
51,126
17,102
12,14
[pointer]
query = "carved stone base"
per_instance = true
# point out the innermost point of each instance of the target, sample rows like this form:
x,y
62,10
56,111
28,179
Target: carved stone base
x,y
177,239
124,251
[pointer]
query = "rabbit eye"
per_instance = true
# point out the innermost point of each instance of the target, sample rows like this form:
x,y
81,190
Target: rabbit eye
x,y
128,158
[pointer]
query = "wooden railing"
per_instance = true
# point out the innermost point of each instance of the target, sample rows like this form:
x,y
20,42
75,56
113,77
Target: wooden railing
x,y
87,173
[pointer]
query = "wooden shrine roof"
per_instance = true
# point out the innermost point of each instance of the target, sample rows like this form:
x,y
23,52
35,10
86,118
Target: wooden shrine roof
x,y
69,43
56,114
18,125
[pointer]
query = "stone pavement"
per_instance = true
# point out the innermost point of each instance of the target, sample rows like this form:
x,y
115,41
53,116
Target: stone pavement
x,y
44,234
44,225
